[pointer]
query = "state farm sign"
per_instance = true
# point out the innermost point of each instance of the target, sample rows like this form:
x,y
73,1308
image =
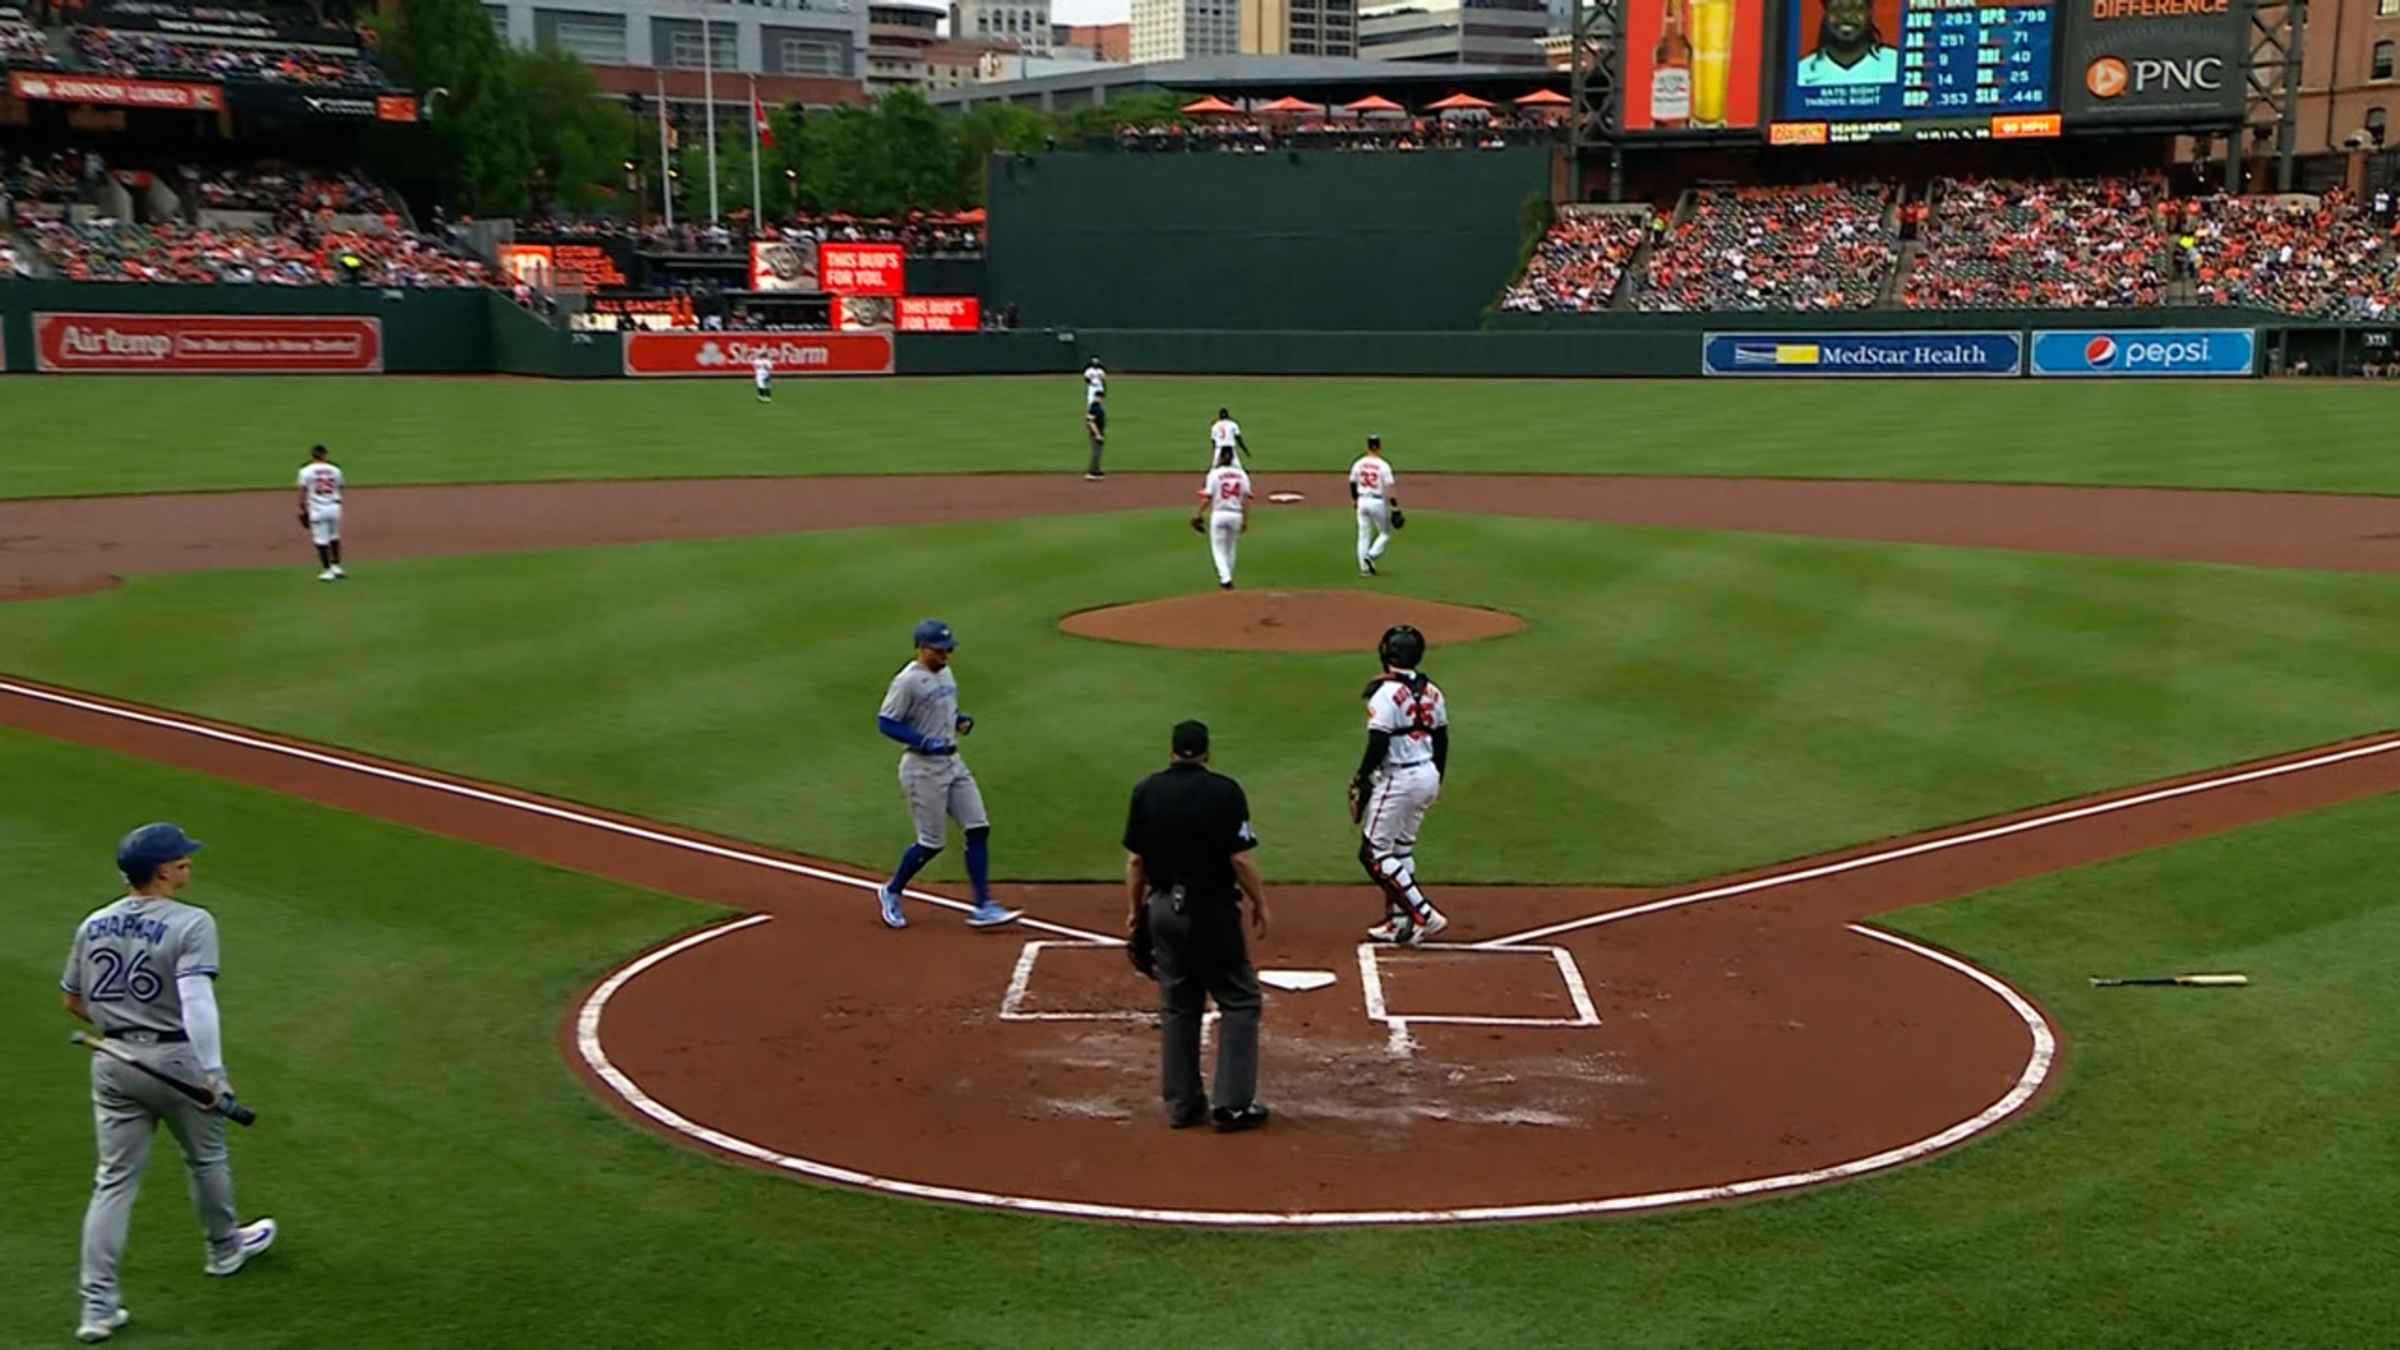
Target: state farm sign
x,y
212,344
731,353
2165,62
104,91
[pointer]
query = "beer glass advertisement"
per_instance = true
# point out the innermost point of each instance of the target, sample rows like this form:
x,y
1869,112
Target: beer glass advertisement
x,y
1852,70
1693,65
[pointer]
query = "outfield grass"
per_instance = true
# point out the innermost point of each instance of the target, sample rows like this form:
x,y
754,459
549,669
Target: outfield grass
x,y
194,433
1684,703
2212,1170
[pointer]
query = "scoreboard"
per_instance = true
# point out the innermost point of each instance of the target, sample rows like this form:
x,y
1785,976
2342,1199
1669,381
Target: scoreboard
x,y
1921,70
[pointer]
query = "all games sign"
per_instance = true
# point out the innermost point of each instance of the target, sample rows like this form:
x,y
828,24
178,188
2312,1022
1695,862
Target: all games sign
x,y
2163,62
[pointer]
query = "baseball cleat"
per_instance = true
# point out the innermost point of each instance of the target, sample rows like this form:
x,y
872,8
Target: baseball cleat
x,y
1224,585
93,1332
1390,930
255,1238
1094,477
1435,922
989,915
1234,1122
337,571
1368,567
326,575
892,917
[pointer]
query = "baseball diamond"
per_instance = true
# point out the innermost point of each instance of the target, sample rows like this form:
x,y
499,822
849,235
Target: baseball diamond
x,y
1738,846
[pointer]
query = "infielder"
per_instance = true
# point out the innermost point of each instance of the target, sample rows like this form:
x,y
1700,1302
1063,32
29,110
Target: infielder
x,y
762,378
1226,434
1375,490
142,970
321,511
1224,501
1095,429
1398,780
920,711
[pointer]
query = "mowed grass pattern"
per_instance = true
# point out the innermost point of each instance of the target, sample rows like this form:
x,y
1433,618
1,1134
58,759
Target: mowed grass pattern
x,y
1683,703
2208,1172
219,433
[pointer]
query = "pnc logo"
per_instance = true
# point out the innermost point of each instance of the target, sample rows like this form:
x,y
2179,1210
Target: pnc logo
x,y
2100,351
2110,77
2106,78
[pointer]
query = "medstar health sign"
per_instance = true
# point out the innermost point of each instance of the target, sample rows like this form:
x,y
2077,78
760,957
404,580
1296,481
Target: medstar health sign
x,y
1933,355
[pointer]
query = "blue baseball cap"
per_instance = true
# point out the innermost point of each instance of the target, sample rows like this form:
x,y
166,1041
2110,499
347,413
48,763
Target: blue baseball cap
x,y
141,852
937,635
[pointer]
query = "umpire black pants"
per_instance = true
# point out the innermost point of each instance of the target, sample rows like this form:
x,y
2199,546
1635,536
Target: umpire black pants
x,y
1203,954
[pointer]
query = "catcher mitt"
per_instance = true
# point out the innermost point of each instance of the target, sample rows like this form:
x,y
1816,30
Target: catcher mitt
x,y
1399,517
1358,801
1198,527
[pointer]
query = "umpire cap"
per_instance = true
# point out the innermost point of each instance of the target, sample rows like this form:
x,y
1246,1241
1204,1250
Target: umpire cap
x,y
141,853
937,635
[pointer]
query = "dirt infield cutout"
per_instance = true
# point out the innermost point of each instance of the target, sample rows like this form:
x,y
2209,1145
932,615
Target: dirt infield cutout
x,y
1286,621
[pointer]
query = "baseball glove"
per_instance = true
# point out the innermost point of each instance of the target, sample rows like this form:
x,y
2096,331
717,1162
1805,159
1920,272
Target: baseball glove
x,y
1198,526
1358,801
301,516
1399,517
1137,944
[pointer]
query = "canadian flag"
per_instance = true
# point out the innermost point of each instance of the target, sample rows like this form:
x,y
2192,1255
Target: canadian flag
x,y
758,121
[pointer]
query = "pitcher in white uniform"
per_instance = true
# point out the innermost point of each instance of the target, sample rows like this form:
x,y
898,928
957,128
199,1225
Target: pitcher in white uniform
x,y
1224,513
1398,781
321,511
1375,490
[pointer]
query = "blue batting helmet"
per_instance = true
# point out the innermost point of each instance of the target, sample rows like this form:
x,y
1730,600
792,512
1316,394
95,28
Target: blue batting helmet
x,y
140,853
937,635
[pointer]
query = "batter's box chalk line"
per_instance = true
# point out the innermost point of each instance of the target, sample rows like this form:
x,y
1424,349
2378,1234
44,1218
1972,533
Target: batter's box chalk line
x,y
1398,1041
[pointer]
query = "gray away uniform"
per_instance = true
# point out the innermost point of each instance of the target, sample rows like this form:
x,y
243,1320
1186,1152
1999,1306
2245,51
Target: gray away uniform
x,y
935,785
124,964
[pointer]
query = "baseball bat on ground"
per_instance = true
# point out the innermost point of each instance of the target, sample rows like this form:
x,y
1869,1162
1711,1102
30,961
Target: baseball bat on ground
x,y
233,1111
2193,981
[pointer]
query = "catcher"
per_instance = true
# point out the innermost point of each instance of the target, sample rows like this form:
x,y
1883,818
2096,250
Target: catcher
x,y
1398,781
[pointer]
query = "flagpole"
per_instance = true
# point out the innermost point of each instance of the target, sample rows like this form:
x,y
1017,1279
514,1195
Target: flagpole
x,y
758,205
666,178
708,83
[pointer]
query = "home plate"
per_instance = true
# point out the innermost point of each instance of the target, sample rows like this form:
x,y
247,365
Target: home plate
x,y
1298,981
1284,497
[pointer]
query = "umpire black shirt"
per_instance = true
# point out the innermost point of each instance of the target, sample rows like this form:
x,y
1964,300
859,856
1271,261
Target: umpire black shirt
x,y
1187,823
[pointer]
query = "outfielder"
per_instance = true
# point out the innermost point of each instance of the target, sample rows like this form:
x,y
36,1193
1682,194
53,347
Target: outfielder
x,y
1095,413
920,711
1224,500
142,970
1225,434
321,511
762,378
1398,780
1375,490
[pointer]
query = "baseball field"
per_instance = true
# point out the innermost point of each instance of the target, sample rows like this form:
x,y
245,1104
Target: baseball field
x,y
1849,731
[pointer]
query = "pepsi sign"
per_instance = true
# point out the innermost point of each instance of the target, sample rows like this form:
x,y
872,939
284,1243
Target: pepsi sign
x,y
2140,352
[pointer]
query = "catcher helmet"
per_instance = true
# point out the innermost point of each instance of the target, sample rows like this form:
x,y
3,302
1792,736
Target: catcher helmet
x,y
1402,647
141,853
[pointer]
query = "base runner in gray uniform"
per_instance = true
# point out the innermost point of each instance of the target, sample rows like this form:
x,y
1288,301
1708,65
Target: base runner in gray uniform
x,y
143,971
920,711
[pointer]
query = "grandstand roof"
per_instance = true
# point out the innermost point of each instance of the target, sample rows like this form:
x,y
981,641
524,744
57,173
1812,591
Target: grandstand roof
x,y
1332,78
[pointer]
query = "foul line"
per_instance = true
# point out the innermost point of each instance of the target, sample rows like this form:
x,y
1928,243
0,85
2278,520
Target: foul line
x,y
2029,1081
516,803
1937,845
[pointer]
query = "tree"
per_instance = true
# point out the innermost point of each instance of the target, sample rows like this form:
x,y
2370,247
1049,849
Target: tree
x,y
475,148
578,140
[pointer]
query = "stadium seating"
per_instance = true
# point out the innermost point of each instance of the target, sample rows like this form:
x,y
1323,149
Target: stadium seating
x,y
1821,247
2330,260
2065,244
921,234
276,187
55,178
111,251
1245,136
1577,265
124,52
21,44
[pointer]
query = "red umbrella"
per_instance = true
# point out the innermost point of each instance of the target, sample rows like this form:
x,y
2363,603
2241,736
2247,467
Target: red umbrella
x,y
1543,98
1288,104
1459,103
1373,103
1212,106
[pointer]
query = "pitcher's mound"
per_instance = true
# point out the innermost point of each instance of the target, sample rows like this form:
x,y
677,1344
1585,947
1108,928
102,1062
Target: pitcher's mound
x,y
1286,621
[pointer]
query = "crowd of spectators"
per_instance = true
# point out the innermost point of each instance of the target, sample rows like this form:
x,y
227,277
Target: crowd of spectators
x,y
2054,244
1577,265
280,188
1248,136
2330,259
1821,247
10,264
920,233
22,44
58,178
116,51
117,251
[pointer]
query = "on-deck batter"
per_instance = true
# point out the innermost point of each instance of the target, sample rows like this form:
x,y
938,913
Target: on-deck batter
x,y
142,970
321,511
1224,501
920,711
1398,781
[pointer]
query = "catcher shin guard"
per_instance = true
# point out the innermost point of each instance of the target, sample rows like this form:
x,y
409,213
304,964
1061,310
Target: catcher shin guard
x,y
1397,879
